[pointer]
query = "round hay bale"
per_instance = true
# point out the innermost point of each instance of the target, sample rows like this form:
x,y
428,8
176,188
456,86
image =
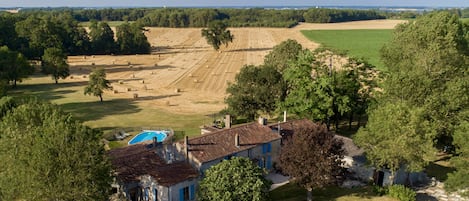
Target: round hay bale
x,y
196,81
131,66
129,89
84,76
156,64
135,95
177,90
93,64
121,81
115,91
143,81
84,57
92,56
190,75
71,77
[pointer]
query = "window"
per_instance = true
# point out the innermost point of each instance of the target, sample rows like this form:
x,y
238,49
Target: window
x,y
266,148
155,194
187,193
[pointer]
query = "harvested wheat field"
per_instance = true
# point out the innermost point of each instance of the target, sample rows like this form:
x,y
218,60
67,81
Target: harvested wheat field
x,y
184,75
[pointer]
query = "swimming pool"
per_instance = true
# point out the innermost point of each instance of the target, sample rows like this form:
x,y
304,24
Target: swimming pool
x,y
148,135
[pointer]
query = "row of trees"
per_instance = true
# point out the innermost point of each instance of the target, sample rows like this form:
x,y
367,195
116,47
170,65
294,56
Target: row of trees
x,y
304,83
33,34
50,38
200,17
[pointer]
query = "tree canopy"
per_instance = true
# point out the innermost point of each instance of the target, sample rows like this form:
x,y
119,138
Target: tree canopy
x,y
282,54
131,39
97,83
46,155
321,93
235,179
13,66
313,158
216,34
425,95
396,136
102,38
54,63
257,90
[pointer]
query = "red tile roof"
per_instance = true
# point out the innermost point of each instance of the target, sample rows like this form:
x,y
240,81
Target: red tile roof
x,y
219,144
133,161
288,128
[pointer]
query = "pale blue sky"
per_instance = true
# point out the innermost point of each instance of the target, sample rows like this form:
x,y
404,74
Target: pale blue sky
x,y
221,3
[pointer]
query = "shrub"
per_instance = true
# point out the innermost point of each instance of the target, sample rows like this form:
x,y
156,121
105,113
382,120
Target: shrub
x,y
379,190
401,193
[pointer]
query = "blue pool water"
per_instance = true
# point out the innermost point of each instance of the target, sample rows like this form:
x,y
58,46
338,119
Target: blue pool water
x,y
148,135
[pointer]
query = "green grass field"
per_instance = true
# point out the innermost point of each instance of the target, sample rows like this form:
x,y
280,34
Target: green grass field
x,y
291,192
357,43
111,114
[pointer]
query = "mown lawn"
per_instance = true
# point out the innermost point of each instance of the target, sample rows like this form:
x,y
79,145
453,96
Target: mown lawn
x,y
357,43
292,192
113,113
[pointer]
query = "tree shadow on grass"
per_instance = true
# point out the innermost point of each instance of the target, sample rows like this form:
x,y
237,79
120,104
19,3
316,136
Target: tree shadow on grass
x,y
91,111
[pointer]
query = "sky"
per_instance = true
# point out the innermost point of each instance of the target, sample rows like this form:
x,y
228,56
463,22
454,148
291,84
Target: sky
x,y
222,3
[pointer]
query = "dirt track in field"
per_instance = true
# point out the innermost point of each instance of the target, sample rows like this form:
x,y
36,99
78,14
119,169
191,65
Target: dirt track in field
x,y
185,75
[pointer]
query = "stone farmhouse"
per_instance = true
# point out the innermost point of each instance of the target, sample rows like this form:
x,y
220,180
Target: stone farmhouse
x,y
171,171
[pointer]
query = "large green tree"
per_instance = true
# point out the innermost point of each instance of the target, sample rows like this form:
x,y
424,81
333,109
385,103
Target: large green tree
x,y
396,136
317,91
257,90
216,34
425,94
282,54
426,60
97,83
54,63
131,39
46,155
13,66
235,179
313,158
102,38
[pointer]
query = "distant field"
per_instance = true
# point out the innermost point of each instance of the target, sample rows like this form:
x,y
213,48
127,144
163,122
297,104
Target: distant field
x,y
358,43
465,20
111,23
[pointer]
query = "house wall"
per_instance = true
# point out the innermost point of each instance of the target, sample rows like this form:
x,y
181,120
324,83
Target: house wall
x,y
256,152
173,192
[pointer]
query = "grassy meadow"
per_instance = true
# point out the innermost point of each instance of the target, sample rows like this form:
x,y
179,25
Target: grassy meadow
x,y
357,43
113,113
292,192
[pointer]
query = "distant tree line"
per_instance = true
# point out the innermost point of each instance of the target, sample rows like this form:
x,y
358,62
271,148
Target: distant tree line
x,y
200,17
32,34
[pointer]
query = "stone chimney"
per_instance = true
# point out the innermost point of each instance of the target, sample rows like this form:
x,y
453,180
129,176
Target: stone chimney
x,y
237,140
227,121
285,116
262,121
186,146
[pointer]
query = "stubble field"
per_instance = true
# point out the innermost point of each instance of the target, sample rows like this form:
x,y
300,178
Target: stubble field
x,y
181,79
